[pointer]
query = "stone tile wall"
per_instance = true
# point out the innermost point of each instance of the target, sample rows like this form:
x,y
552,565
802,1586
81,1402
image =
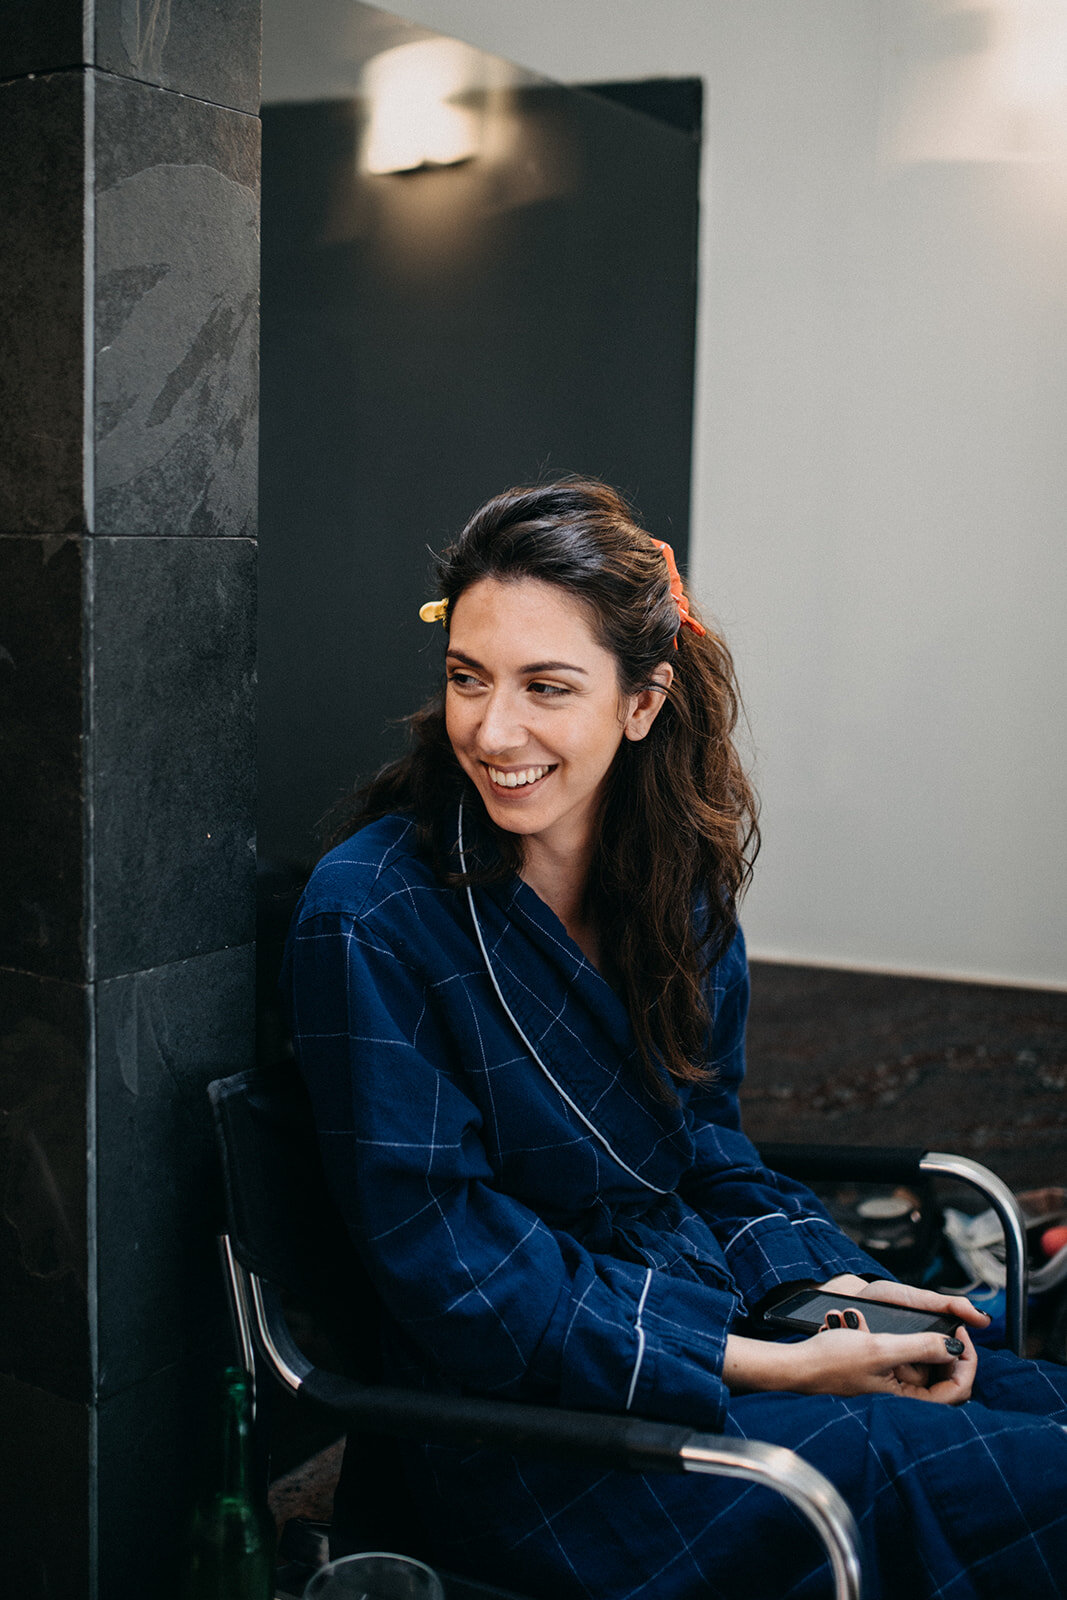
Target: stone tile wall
x,y
129,173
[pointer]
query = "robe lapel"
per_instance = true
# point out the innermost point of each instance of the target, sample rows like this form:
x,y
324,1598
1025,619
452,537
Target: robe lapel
x,y
580,1030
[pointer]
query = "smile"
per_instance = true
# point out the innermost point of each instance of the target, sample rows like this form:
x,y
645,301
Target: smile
x,y
518,778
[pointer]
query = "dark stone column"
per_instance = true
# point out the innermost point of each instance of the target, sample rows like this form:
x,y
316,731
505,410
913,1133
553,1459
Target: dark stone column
x,y
129,179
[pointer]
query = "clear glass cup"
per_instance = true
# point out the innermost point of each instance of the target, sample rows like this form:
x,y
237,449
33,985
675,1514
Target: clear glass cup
x,y
375,1575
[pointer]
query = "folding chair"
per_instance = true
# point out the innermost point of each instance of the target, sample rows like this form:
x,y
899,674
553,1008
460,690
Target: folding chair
x,y
284,1238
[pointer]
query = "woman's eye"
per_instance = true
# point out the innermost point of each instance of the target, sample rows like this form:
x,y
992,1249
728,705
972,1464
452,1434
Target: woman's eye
x,y
463,680
548,691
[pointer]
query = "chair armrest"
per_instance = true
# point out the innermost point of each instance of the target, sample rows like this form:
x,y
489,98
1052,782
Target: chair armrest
x,y
598,1438
814,1163
603,1440
905,1164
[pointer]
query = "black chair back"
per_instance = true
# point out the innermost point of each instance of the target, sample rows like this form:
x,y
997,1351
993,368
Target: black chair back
x,y
284,1226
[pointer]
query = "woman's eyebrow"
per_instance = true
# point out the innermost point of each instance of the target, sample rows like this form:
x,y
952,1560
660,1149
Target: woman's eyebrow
x,y
534,666
554,666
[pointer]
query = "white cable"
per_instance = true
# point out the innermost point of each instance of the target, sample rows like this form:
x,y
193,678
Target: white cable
x,y
579,1113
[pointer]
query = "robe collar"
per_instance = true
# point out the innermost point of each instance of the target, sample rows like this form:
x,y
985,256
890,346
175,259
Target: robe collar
x,y
575,1028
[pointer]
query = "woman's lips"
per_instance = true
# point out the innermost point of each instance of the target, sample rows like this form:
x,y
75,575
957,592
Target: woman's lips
x,y
517,778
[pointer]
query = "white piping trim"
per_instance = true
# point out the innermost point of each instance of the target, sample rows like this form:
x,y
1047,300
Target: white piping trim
x,y
579,1113
640,1331
753,1222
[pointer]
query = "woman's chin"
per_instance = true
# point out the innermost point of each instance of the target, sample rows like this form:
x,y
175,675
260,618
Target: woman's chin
x,y
512,818
519,808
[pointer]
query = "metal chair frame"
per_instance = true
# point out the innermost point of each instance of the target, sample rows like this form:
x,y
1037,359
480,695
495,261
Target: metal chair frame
x,y
606,1441
262,1332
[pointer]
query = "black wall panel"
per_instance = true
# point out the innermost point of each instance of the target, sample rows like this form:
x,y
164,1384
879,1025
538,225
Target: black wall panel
x,y
428,338
128,397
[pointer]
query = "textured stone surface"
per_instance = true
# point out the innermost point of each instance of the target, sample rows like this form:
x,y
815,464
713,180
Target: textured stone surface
x,y
176,314
206,48
44,1328
41,310
153,1442
209,49
40,755
173,774
39,36
161,1038
44,1531
106,1173
868,1058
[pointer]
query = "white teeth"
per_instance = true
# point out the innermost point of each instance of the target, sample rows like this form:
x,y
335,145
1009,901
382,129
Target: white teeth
x,y
514,780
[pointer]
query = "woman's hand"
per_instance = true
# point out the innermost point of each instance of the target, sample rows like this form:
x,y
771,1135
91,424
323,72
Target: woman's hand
x,y
850,1361
904,1294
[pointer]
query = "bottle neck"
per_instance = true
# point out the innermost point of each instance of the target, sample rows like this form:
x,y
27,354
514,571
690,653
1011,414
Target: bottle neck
x,y
235,1439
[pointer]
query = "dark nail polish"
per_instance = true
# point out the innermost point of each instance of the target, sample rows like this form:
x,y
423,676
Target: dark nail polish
x,y
954,1347
851,1320
833,1319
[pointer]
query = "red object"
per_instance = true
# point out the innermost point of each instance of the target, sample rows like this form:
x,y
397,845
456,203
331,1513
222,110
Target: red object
x,y
1054,1239
681,599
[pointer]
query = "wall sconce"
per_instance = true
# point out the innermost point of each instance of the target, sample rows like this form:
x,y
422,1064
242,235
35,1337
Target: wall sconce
x,y
425,106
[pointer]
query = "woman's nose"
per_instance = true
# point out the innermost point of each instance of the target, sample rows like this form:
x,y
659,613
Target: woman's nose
x,y
502,728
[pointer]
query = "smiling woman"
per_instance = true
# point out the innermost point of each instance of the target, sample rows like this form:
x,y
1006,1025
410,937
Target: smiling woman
x,y
519,989
538,738
564,618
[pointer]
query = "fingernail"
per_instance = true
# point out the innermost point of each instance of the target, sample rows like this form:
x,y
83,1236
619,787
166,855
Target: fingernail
x,y
833,1319
851,1320
954,1347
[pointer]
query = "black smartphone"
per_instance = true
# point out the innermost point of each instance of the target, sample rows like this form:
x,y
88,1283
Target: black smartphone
x,y
804,1312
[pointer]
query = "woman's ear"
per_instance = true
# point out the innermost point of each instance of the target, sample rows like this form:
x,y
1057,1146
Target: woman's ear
x,y
645,704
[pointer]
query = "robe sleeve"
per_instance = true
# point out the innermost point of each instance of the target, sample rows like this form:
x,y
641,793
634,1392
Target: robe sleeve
x,y
772,1230
498,1301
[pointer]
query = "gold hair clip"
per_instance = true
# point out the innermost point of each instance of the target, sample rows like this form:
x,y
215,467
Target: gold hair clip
x,y
434,611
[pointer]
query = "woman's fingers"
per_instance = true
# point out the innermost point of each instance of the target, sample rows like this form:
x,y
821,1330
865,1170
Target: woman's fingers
x,y
921,1366
939,1348
906,1294
952,1383
851,1318
959,1307
850,1361
928,1349
913,1374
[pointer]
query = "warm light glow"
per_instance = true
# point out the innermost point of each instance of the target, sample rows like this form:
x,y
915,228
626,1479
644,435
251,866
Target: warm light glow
x,y
974,82
416,118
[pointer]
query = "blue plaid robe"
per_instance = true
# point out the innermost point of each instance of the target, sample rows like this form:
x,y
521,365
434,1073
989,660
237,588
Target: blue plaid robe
x,y
540,1227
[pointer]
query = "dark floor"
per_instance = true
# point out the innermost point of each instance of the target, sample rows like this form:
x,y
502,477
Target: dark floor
x,y
859,1058
307,1491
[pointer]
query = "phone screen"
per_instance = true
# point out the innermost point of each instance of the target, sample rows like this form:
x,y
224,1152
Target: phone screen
x,y
805,1312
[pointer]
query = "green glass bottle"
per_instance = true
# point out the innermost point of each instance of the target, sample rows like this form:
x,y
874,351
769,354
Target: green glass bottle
x,y
231,1543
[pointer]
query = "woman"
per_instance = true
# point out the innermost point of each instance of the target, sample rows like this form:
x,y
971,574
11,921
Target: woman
x,y
518,993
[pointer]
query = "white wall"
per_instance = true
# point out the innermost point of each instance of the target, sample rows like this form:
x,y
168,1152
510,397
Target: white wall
x,y
881,460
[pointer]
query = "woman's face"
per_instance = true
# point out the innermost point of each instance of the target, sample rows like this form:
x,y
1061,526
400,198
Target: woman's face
x,y
533,709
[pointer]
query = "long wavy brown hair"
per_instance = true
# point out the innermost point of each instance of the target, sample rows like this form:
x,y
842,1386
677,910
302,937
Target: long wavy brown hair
x,y
678,834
